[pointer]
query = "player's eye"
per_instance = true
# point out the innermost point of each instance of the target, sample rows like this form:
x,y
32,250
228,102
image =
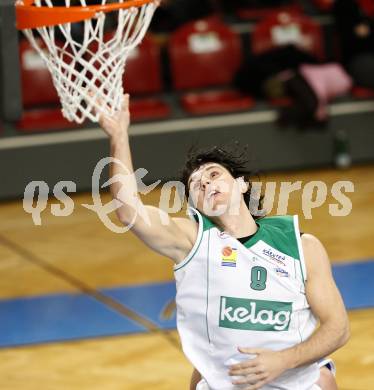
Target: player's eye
x,y
214,174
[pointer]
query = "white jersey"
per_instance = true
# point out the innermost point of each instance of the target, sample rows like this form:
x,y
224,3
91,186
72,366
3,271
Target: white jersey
x,y
251,295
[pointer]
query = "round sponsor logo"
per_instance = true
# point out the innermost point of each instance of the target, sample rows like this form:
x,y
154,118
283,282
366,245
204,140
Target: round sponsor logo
x,y
226,251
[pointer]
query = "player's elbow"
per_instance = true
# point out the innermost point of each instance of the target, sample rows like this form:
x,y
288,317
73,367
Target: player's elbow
x,y
345,334
338,330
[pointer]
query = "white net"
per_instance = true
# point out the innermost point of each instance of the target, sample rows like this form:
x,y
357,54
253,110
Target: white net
x,y
88,71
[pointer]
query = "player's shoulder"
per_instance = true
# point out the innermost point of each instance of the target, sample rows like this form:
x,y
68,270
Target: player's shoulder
x,y
311,242
316,257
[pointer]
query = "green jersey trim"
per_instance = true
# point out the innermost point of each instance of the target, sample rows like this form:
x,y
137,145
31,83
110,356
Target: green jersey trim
x,y
286,238
207,223
196,246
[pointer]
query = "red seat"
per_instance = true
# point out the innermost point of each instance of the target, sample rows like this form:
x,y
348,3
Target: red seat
x,y
261,13
213,102
282,28
143,68
143,77
148,109
367,7
362,92
37,85
43,120
42,107
207,53
324,5
142,80
281,102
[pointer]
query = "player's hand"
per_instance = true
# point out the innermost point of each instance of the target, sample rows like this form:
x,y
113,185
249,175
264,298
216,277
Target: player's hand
x,y
257,372
117,125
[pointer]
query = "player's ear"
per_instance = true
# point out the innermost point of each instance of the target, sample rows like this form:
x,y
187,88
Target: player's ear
x,y
242,184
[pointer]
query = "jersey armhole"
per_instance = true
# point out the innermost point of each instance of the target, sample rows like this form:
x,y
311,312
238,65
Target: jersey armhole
x,y
188,258
300,248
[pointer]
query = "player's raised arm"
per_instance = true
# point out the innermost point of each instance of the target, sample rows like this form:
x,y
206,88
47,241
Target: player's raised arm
x,y
174,237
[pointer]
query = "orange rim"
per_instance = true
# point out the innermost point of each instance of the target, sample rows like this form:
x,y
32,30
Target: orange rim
x,y
30,16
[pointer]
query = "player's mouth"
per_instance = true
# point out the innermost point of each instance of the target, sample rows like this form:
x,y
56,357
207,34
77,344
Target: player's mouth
x,y
213,194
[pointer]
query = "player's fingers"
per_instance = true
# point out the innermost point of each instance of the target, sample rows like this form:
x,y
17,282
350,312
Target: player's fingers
x,y
125,101
244,371
245,380
99,106
246,364
96,102
251,351
94,97
256,385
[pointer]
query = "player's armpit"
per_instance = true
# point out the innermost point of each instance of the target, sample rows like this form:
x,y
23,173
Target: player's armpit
x,y
322,293
170,237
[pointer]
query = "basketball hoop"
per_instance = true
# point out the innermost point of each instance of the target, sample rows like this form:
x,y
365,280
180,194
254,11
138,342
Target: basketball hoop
x,y
88,72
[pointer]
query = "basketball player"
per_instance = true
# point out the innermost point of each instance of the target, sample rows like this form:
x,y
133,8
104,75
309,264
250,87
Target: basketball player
x,y
249,290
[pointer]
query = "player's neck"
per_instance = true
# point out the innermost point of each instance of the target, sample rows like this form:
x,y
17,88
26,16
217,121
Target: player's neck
x,y
240,224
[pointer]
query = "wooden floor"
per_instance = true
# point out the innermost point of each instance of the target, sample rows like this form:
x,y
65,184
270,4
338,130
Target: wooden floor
x,y
81,247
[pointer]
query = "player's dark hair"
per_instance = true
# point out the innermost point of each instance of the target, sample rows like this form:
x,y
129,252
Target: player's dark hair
x,y
234,159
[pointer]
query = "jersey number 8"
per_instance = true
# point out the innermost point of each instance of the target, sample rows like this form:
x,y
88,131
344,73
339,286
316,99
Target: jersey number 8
x,y
258,278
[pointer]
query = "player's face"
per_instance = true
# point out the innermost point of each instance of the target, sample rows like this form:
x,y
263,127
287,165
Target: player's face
x,y
211,189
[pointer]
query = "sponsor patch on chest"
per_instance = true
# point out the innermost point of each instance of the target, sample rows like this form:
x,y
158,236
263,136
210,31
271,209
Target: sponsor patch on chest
x,y
229,256
281,272
274,256
254,314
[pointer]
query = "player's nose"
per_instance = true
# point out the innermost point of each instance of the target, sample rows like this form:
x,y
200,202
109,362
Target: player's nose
x,y
205,182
